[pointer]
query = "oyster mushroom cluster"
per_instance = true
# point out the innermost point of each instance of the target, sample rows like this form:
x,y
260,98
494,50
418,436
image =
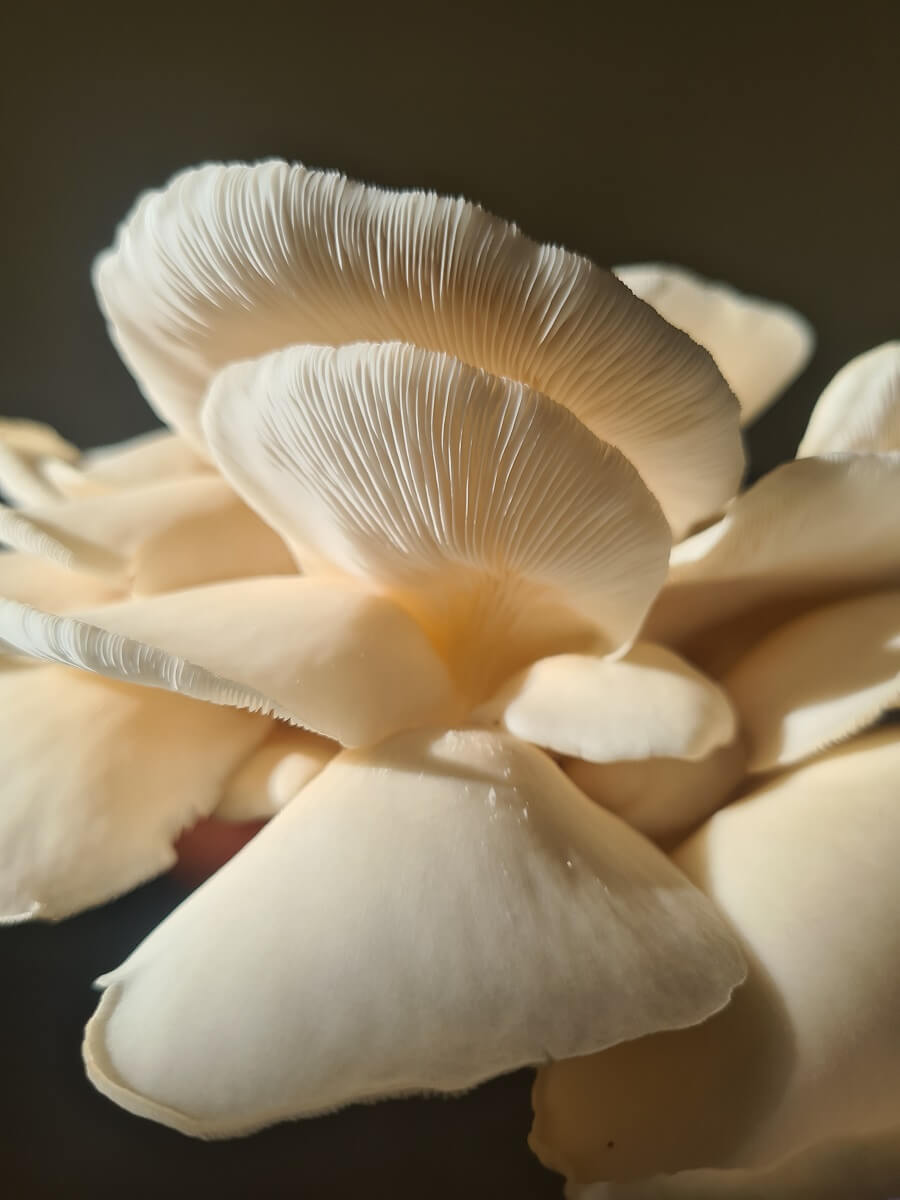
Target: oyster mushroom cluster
x,y
442,570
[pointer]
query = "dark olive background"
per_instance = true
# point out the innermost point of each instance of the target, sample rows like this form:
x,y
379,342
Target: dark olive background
x,y
754,143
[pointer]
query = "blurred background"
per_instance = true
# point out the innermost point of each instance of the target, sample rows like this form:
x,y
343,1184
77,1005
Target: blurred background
x,y
756,144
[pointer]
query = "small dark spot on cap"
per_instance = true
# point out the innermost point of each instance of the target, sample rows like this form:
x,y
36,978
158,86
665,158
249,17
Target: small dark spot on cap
x,y
609,1145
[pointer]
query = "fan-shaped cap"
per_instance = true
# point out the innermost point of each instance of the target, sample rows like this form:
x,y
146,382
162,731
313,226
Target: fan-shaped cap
x,y
473,500
230,262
